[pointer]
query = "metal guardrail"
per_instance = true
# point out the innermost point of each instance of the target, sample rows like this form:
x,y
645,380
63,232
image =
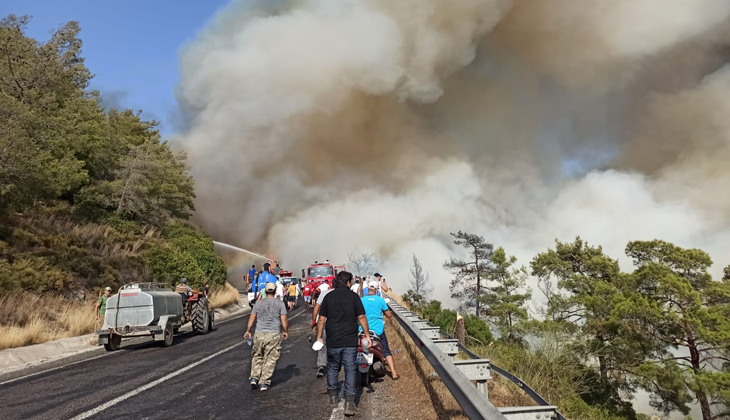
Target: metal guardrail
x,y
512,378
457,375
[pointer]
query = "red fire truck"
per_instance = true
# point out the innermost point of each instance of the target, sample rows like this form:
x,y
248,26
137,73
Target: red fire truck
x,y
318,273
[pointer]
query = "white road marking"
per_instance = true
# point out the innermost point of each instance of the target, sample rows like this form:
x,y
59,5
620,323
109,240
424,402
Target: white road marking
x,y
338,412
130,394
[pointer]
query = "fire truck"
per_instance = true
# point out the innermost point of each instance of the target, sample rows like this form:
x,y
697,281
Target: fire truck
x,y
318,273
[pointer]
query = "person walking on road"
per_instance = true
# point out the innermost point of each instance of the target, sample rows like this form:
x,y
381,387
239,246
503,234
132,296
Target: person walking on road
x,y
101,303
356,287
382,286
307,291
270,317
279,290
375,308
340,313
292,295
262,279
250,277
322,353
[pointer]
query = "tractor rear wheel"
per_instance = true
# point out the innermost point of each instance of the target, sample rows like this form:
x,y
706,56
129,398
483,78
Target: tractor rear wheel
x,y
115,342
200,317
169,335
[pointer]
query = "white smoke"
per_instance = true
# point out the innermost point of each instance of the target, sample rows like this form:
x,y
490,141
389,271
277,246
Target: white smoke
x,y
326,126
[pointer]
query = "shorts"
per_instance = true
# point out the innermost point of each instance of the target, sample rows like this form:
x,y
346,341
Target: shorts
x,y
307,299
291,298
386,347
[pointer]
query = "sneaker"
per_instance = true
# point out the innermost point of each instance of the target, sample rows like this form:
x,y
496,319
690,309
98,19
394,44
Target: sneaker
x,y
263,388
254,383
350,408
320,372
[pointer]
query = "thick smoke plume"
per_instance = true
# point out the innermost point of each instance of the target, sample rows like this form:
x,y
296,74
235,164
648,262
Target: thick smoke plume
x,y
326,126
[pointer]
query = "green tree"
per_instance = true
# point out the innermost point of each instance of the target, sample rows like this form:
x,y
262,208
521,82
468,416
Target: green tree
x,y
200,246
590,287
466,286
169,265
82,189
505,301
40,86
151,185
442,318
477,329
685,316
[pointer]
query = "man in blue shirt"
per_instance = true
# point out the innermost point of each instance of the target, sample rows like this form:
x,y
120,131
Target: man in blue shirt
x,y
260,284
375,308
251,277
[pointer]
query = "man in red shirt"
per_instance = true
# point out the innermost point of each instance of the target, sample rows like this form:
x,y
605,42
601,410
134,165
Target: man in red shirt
x,y
308,294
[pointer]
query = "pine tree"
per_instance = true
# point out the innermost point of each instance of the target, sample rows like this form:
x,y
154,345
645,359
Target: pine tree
x,y
466,286
685,316
506,295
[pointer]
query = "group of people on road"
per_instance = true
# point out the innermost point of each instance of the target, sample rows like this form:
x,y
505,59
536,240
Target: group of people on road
x,y
341,313
257,280
340,316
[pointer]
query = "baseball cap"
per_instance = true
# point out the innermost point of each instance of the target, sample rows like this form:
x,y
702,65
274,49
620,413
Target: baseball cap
x,y
270,287
184,280
377,275
373,284
108,289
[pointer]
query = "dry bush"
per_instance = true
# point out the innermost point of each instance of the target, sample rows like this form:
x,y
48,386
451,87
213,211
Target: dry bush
x,y
223,296
29,318
79,320
35,331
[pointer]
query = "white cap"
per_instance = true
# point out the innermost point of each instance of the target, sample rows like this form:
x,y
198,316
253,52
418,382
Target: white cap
x,y
108,289
373,284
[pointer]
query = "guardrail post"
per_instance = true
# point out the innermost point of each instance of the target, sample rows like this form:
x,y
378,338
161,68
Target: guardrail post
x,y
450,347
483,388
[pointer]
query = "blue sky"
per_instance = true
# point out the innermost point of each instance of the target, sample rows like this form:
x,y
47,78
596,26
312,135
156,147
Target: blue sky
x,y
131,46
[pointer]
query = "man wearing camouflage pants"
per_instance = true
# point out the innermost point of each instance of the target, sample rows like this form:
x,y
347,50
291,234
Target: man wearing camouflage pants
x,y
271,316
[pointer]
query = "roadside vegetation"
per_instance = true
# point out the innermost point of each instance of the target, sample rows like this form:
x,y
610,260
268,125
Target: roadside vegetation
x,y
596,335
224,296
89,196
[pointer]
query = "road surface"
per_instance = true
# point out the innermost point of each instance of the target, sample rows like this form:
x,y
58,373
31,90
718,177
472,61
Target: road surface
x,y
199,377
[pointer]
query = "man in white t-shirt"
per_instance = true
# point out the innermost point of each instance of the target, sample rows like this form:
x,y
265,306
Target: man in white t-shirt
x,y
356,287
382,287
279,290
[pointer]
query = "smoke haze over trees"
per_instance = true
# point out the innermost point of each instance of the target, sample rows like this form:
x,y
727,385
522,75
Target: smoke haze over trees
x,y
381,126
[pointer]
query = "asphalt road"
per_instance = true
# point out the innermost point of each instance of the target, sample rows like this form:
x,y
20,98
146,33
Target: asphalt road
x,y
199,377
